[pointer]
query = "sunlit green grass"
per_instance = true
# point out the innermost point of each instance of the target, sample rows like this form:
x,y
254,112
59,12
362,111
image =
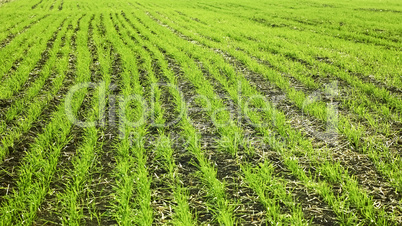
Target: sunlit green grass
x,y
335,64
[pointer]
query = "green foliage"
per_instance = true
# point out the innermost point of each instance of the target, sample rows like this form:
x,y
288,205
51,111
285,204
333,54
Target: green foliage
x,y
276,72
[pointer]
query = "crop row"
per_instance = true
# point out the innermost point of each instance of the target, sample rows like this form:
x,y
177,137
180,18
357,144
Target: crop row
x,y
344,122
144,114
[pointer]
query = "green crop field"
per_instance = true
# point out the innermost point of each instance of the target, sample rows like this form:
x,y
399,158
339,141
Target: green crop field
x,y
179,112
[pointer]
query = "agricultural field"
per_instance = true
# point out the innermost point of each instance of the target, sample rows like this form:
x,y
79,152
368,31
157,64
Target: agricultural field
x,y
232,112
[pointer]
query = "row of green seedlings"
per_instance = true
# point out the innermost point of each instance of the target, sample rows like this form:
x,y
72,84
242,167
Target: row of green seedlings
x,y
76,195
355,185
272,30
88,6
296,24
143,210
15,82
33,90
338,31
357,58
321,67
21,45
218,201
22,6
36,4
282,63
132,190
358,102
145,214
356,196
357,106
27,109
39,164
45,6
60,5
10,27
81,6
7,63
227,142
133,152
342,22
353,132
345,22
374,154
156,108
50,5
8,24
360,59
57,54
